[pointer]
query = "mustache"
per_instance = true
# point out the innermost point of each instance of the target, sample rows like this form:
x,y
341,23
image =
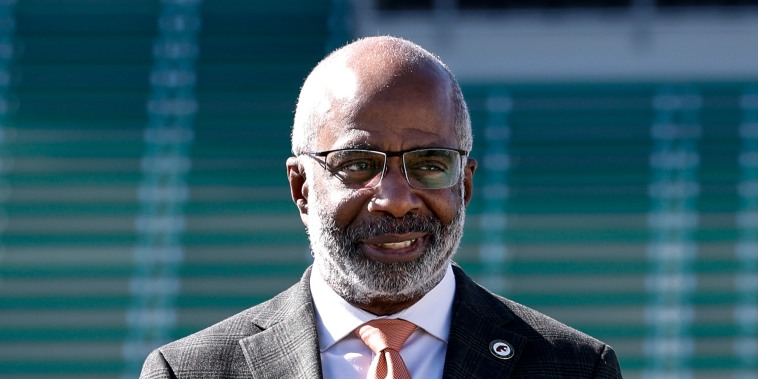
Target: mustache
x,y
409,223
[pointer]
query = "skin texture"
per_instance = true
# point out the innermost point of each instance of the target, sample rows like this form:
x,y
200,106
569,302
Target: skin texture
x,y
383,248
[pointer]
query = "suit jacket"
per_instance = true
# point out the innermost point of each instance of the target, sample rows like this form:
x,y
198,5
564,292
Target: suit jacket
x,y
277,340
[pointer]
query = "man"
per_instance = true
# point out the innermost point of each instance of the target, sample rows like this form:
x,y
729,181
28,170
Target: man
x,y
381,178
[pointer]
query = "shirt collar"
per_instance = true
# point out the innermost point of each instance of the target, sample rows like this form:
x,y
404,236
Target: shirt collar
x,y
432,313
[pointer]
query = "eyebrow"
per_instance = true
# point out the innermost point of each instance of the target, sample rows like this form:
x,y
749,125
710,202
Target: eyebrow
x,y
360,146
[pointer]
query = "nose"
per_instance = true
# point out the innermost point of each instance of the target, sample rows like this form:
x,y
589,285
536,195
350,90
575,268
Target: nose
x,y
394,195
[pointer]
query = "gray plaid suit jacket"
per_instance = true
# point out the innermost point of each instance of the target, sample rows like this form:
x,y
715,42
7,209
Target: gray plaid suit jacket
x,y
277,340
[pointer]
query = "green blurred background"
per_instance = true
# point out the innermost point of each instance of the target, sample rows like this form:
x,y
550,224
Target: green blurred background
x,y
143,193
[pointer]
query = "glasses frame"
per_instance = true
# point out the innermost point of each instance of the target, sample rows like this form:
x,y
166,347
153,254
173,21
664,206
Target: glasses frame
x,y
387,154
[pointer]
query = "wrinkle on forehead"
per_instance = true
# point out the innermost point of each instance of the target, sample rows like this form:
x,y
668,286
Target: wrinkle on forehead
x,y
354,137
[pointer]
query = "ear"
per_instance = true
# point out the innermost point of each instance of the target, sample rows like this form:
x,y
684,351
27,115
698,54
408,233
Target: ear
x,y
298,187
468,179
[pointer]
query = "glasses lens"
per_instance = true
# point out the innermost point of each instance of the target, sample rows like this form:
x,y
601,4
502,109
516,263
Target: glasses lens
x,y
356,168
432,168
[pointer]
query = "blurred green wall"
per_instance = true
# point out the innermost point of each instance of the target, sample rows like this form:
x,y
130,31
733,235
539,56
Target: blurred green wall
x,y
143,193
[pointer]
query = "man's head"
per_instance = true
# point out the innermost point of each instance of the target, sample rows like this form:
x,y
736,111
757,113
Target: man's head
x,y
335,79
382,228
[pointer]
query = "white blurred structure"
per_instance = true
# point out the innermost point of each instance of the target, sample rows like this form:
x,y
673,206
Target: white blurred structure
x,y
640,42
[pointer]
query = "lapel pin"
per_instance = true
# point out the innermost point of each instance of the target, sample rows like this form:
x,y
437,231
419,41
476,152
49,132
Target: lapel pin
x,y
501,349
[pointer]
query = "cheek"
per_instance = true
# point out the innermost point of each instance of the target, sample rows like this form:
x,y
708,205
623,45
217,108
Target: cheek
x,y
340,204
445,204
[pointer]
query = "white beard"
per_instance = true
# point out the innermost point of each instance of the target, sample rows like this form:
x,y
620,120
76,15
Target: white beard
x,y
361,280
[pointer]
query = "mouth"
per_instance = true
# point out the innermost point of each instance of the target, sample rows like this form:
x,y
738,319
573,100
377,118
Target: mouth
x,y
397,245
395,248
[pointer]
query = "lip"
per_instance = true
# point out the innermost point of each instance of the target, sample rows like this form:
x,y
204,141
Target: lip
x,y
390,248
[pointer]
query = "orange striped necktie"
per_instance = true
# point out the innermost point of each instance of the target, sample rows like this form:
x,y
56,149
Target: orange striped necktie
x,y
385,337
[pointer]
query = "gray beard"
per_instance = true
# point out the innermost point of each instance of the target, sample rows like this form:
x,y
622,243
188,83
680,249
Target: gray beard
x,y
361,280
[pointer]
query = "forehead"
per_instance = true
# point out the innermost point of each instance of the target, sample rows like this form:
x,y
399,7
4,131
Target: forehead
x,y
396,112
386,139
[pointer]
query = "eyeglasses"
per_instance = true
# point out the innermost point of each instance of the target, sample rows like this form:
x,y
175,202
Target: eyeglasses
x,y
423,168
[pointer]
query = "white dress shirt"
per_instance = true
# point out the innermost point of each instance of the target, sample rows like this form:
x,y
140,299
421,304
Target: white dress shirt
x,y
344,355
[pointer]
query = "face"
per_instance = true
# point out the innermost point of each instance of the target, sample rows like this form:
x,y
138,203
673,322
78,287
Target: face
x,y
383,247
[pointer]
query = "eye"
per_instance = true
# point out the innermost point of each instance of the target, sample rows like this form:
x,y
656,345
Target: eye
x,y
357,166
429,166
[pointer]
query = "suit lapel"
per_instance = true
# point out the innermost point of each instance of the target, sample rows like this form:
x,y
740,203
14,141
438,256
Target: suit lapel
x,y
287,345
478,320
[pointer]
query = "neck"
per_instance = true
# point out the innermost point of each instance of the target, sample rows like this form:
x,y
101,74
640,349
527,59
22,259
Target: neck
x,y
382,307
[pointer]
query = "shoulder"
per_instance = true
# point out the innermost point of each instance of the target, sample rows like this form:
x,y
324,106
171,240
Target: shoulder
x,y
537,326
547,342
518,317
552,341
216,349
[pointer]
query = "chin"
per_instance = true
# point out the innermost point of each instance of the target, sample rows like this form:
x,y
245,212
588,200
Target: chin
x,y
376,282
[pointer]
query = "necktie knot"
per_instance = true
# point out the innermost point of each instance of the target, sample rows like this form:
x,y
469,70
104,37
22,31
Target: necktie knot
x,y
385,337
381,334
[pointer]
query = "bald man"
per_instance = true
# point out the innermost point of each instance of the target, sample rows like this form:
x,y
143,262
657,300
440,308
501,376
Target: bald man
x,y
381,177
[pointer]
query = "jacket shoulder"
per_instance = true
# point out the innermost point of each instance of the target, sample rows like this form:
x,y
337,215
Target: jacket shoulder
x,y
567,347
551,347
215,351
